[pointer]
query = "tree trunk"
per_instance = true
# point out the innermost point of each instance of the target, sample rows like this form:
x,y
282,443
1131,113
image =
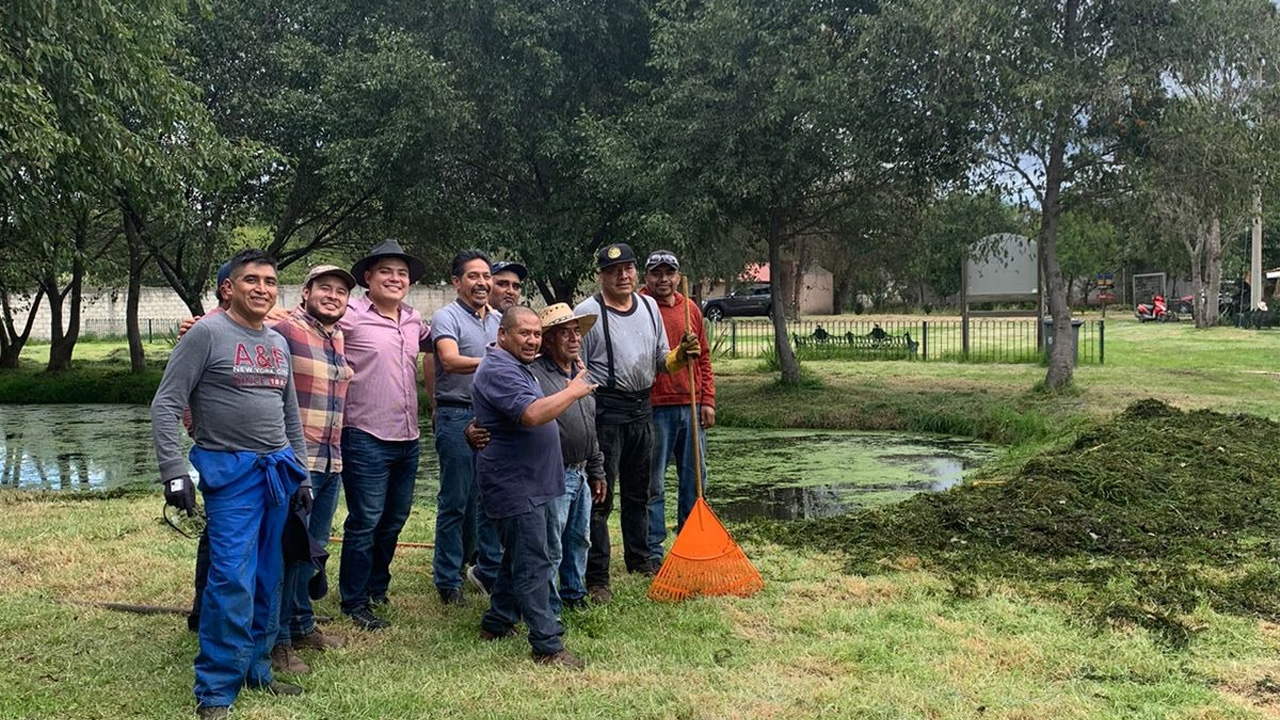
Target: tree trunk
x,y
1196,253
840,293
781,339
1062,357
49,285
62,341
562,289
1213,258
137,357
12,341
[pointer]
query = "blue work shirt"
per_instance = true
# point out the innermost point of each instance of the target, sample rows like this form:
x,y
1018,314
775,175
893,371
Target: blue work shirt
x,y
521,467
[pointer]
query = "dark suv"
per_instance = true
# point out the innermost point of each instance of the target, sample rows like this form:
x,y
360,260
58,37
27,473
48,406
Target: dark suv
x,y
747,300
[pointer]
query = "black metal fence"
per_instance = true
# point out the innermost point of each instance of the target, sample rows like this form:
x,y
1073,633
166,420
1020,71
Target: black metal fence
x,y
990,340
152,329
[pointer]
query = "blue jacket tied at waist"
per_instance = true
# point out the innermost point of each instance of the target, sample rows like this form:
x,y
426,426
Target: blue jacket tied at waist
x,y
219,469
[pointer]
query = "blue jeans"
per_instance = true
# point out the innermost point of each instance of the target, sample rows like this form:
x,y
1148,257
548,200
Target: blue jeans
x,y
461,527
378,476
523,586
671,435
568,528
296,617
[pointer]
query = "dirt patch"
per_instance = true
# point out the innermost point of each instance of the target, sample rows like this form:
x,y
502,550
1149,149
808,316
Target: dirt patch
x,y
1260,692
1135,520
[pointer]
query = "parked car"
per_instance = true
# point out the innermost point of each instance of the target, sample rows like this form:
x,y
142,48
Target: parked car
x,y
747,300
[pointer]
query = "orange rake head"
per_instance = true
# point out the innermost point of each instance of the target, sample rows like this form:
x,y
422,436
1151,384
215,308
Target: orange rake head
x,y
704,560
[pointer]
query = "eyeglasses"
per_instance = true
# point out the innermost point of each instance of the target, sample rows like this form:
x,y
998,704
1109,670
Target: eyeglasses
x,y
657,259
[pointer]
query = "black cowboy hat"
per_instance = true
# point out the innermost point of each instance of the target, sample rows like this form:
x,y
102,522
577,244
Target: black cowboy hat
x,y
388,248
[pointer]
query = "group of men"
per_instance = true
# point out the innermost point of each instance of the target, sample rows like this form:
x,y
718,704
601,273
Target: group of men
x,y
536,418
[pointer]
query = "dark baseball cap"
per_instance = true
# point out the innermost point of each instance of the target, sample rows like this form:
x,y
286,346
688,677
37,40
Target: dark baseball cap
x,y
615,254
521,271
224,273
662,257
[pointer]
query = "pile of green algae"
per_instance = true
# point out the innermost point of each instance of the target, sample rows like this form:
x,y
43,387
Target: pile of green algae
x,y
1138,519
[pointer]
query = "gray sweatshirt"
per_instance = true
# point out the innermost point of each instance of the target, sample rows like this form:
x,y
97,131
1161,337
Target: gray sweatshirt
x,y
239,384
578,441
638,340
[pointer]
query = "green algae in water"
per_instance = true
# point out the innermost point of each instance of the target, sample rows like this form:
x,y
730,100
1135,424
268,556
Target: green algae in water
x,y
793,474
1137,520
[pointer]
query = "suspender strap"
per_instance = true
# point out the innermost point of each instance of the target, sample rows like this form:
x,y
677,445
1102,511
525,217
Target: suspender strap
x,y
612,381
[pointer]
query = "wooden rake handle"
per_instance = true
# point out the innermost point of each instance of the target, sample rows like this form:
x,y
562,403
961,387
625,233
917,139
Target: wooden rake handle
x,y
693,392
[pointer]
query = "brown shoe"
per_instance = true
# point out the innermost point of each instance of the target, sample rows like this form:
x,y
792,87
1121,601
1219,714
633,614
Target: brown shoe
x,y
564,659
490,636
285,660
600,594
213,712
316,640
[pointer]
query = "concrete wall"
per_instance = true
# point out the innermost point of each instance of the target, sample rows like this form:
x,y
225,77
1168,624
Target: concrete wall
x,y
817,294
160,309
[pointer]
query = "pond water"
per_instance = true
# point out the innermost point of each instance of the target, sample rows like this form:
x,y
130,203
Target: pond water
x,y
782,474
804,474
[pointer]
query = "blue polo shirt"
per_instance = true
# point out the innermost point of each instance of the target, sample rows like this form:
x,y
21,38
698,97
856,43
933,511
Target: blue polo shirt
x,y
458,322
521,468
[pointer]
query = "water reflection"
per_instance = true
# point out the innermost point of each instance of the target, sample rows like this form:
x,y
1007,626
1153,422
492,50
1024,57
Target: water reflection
x,y
104,447
75,447
782,474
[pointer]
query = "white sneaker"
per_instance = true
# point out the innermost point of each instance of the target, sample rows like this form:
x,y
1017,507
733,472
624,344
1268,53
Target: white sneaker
x,y
476,581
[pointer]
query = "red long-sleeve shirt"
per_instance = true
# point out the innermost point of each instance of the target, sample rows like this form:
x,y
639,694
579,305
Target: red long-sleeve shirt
x,y
674,389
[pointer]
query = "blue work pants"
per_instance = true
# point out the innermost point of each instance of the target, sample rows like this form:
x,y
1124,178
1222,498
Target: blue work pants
x,y
246,500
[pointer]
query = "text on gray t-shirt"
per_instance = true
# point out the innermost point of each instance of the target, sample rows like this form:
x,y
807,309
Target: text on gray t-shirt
x,y
239,384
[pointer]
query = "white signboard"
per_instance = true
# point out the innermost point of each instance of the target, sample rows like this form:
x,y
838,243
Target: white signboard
x,y
1007,269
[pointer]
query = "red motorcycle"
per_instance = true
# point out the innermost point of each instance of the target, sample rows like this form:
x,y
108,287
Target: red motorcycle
x,y
1157,310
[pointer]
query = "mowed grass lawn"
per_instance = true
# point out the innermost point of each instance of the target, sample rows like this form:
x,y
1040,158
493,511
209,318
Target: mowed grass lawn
x,y
817,642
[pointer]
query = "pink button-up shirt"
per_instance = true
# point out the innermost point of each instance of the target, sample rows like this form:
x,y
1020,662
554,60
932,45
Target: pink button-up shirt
x,y
382,399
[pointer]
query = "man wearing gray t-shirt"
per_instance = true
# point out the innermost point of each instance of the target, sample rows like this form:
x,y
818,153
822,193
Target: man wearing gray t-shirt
x,y
460,332
237,378
624,351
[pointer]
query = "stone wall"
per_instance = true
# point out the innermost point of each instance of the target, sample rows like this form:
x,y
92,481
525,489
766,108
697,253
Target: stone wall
x,y
160,309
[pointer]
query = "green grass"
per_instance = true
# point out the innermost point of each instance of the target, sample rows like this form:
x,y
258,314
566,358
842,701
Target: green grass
x,y
841,630
817,642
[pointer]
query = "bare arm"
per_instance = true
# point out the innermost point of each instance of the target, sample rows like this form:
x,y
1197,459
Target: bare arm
x,y
429,379
453,361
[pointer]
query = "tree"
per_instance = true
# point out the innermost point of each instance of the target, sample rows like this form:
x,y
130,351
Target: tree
x,y
1074,74
544,170
1217,137
15,297
100,104
776,117
1088,243
949,227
